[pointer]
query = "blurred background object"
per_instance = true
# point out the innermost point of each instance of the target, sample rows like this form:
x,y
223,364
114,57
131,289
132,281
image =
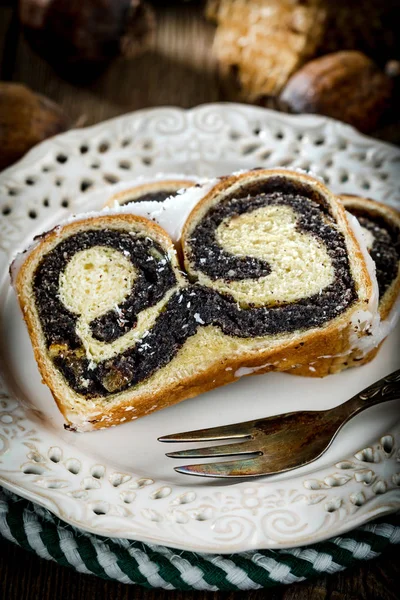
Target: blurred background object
x,y
26,119
260,43
80,37
345,85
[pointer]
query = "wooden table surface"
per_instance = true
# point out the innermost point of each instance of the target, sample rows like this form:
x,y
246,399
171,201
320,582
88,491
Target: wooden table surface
x,y
178,70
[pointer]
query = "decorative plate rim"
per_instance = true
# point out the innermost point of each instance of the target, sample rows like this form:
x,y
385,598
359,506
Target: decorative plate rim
x,y
224,519
309,119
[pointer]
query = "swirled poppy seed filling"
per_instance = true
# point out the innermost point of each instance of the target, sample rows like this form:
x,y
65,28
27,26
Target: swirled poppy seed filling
x,y
155,278
186,307
210,258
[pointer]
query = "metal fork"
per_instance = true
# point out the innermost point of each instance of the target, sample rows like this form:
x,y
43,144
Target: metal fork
x,y
280,443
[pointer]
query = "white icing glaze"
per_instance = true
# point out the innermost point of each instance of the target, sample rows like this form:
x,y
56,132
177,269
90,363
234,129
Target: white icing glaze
x,y
380,331
359,235
242,371
368,236
365,322
174,211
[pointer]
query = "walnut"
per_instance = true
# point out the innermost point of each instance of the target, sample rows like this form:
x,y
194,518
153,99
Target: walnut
x,y
392,68
26,118
344,85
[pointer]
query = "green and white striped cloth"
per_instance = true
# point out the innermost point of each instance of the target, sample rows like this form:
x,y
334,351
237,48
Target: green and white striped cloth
x,y
36,529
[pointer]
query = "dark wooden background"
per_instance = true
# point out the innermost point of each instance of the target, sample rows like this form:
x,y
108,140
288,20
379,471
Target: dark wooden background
x,y
178,70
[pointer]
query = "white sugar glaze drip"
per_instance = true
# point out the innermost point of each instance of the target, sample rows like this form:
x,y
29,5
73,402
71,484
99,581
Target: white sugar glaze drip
x,y
369,320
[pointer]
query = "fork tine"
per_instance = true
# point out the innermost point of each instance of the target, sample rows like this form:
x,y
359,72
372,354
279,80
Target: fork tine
x,y
248,467
213,434
222,450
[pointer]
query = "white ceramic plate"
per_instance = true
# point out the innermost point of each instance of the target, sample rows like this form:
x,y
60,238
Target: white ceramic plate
x,y
118,482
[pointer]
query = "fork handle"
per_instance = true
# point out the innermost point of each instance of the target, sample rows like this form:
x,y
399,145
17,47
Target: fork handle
x,y
387,388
